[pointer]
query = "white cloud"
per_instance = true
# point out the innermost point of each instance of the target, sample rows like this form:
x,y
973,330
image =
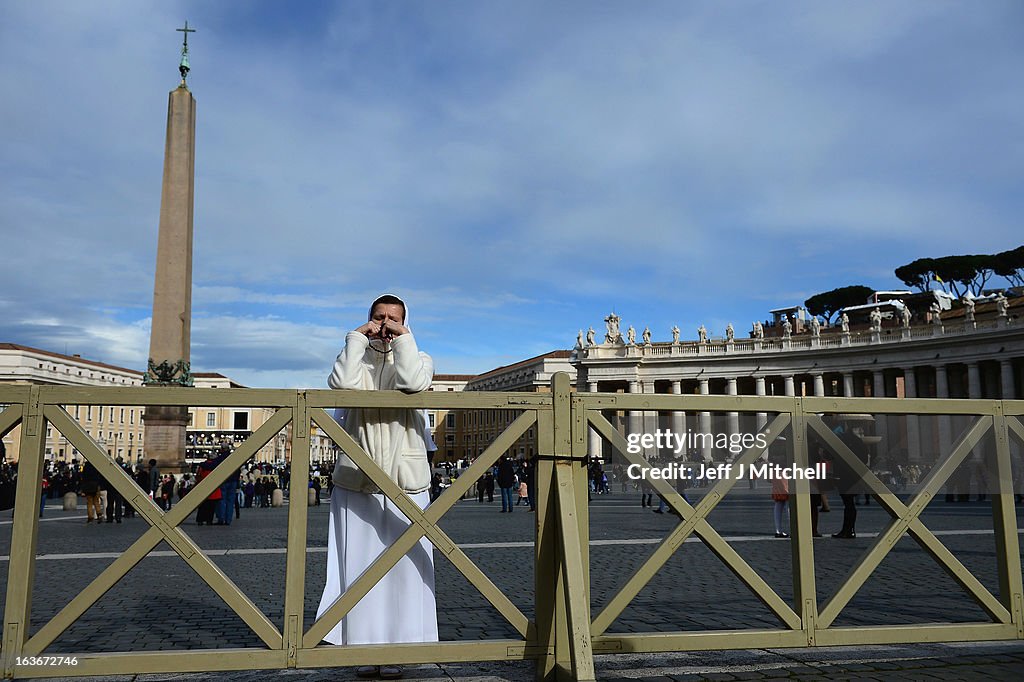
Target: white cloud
x,y
514,170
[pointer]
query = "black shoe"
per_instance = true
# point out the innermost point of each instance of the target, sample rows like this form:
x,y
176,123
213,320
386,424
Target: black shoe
x,y
844,536
657,511
782,535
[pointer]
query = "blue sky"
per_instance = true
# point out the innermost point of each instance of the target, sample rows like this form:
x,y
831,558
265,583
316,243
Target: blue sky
x,y
515,170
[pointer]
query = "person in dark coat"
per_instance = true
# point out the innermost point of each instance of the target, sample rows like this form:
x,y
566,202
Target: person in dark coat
x,y
529,472
489,485
115,502
847,481
90,488
506,481
481,488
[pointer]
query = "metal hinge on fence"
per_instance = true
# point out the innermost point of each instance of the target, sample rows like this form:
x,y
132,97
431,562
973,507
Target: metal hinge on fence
x,y
583,459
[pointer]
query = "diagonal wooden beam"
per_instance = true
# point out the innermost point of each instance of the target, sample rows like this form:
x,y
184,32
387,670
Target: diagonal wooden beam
x,y
9,418
242,453
422,523
1014,424
693,521
483,462
93,591
906,519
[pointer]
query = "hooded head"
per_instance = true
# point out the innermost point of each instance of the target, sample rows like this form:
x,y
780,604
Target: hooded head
x,y
390,300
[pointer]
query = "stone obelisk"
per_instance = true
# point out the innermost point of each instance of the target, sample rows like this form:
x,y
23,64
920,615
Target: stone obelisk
x,y
170,336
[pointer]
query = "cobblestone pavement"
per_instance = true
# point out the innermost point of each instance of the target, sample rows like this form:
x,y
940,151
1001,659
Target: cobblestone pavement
x,y
161,604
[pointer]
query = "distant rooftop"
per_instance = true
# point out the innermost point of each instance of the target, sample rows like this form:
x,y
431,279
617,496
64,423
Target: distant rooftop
x,y
70,358
555,354
453,377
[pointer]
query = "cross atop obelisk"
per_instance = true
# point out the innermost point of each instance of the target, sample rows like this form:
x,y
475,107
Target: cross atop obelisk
x,y
170,335
183,66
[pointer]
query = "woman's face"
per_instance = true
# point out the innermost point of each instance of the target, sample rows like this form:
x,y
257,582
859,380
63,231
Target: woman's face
x,y
391,311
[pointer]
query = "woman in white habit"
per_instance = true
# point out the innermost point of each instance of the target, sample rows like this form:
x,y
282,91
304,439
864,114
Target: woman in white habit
x,y
381,355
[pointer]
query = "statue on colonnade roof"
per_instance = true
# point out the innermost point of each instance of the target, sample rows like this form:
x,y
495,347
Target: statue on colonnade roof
x,y
612,335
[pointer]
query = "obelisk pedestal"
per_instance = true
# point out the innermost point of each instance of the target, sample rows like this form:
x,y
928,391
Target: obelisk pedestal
x,y
170,337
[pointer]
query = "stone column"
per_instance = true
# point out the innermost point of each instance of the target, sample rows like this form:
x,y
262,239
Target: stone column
x,y
848,384
790,385
678,418
974,393
759,389
705,421
945,427
733,418
635,418
819,385
881,420
594,440
878,388
941,382
170,332
913,424
1009,393
973,381
650,419
1008,390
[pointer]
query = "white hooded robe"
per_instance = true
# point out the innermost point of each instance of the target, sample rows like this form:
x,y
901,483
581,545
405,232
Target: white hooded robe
x,y
363,523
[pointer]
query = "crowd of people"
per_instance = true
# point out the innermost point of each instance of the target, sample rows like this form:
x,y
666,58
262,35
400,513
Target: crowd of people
x,y
512,479
252,485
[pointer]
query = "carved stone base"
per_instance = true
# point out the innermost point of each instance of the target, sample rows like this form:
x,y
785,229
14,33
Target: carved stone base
x,y
165,437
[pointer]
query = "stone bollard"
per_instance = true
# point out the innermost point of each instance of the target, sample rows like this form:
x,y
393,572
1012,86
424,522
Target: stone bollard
x,y
312,497
70,501
277,498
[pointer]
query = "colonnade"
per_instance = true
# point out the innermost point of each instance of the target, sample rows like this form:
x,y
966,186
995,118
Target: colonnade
x,y
900,436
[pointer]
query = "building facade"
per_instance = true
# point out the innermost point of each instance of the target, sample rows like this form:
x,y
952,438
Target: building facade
x,y
211,426
956,354
444,423
476,429
119,429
